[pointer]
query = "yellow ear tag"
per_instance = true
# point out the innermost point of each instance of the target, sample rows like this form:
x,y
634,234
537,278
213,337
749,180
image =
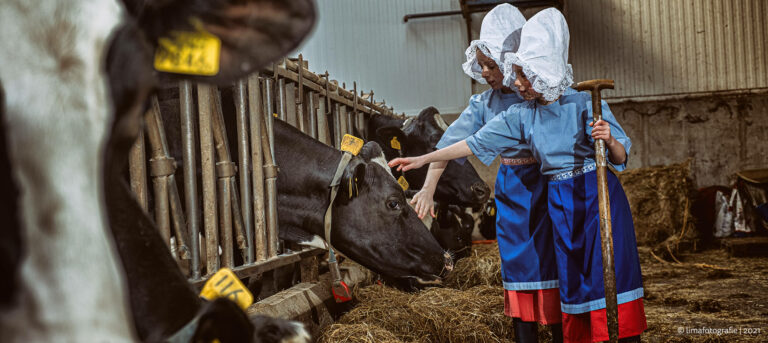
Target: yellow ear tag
x,y
394,143
492,212
274,115
403,183
225,284
185,52
351,144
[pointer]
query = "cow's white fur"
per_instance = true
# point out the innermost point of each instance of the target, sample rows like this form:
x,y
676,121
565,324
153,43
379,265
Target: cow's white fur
x,y
300,334
57,115
440,122
382,161
316,242
477,217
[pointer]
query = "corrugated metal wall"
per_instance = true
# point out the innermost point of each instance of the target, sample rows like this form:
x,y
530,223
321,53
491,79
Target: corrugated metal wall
x,y
661,47
411,65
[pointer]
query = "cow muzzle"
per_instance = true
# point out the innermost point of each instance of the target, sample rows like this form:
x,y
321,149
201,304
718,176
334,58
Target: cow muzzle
x,y
481,192
448,266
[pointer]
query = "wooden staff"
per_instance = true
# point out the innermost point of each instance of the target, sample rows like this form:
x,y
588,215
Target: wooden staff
x,y
606,233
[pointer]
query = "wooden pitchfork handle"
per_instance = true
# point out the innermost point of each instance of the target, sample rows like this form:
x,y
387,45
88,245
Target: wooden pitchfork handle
x,y
606,233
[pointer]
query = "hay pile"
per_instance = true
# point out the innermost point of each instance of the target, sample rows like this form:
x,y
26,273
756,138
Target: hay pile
x,y
481,268
661,199
432,315
471,310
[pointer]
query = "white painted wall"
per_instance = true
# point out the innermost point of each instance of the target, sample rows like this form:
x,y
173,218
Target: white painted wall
x,y
411,65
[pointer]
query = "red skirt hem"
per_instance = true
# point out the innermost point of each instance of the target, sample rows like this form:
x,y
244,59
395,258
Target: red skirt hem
x,y
540,305
592,326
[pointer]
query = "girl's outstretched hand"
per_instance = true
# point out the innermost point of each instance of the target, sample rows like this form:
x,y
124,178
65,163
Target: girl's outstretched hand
x,y
422,202
407,163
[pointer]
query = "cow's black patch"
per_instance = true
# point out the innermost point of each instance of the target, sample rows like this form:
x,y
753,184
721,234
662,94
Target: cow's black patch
x,y
10,231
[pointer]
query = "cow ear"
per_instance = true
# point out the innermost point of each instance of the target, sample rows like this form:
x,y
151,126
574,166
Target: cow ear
x,y
393,140
352,180
252,33
222,320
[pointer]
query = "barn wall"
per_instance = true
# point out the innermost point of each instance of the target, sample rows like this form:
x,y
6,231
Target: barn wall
x,y
411,65
660,47
723,134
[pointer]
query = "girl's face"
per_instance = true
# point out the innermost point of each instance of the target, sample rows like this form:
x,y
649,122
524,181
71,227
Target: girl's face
x,y
491,72
524,86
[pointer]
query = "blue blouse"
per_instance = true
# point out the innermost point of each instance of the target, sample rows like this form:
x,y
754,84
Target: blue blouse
x,y
559,133
482,108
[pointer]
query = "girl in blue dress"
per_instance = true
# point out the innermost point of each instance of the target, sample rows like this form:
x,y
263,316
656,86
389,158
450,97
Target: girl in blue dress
x,y
524,232
556,123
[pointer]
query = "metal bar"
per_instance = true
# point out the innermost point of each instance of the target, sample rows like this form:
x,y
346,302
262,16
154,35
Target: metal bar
x,y
336,126
190,174
138,170
322,121
225,220
257,111
244,158
312,112
290,105
159,176
282,104
299,95
223,155
162,211
269,96
270,170
177,218
166,168
204,100
332,91
262,266
344,123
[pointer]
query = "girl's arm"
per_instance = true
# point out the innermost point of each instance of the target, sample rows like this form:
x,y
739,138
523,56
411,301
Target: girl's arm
x,y
456,150
616,152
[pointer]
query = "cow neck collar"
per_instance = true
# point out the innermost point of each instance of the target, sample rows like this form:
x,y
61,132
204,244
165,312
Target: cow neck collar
x,y
345,158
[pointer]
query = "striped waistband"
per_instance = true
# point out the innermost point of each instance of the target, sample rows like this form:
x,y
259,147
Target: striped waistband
x,y
572,173
518,161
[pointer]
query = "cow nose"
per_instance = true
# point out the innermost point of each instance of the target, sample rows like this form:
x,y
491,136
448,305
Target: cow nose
x,y
448,266
481,191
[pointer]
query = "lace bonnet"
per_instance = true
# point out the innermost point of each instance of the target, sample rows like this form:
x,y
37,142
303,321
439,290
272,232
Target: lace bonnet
x,y
543,55
499,33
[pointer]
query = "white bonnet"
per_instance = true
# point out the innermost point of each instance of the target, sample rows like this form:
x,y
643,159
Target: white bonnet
x,y
543,55
499,33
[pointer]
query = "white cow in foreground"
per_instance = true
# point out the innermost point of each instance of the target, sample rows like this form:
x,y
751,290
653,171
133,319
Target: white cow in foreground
x,y
57,112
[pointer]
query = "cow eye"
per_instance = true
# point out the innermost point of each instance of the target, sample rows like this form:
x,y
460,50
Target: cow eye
x,y
393,204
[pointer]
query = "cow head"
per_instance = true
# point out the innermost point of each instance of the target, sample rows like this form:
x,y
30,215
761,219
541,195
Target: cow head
x,y
374,226
459,184
453,230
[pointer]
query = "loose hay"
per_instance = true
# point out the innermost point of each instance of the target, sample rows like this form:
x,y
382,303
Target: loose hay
x,y
481,267
357,333
661,199
434,314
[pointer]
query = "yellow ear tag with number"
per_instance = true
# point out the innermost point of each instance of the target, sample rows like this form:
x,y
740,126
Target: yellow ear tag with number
x,y
403,183
394,143
224,284
351,144
185,52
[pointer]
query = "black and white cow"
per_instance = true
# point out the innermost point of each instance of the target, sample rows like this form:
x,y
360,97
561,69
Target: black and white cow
x,y
56,116
459,184
373,225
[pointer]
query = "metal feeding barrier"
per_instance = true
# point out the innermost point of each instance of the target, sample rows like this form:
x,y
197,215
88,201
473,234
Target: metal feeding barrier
x,y
239,188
